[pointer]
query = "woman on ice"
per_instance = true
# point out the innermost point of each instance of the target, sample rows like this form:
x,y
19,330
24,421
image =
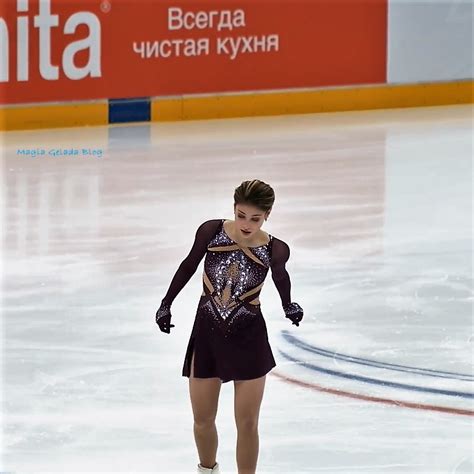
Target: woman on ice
x,y
229,339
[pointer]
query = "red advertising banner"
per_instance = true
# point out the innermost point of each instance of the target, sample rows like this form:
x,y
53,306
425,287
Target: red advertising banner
x,y
64,50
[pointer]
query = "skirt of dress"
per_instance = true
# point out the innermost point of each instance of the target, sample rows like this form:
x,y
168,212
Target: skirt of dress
x,y
243,355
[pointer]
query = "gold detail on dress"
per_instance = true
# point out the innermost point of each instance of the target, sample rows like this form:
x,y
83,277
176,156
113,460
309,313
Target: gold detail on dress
x,y
233,271
224,248
219,303
251,255
236,246
226,295
207,282
252,291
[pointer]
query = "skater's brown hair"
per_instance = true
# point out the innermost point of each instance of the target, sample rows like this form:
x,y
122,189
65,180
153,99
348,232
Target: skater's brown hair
x,y
255,193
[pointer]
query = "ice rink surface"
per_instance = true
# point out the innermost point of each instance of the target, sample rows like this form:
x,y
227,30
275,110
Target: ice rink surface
x,y
376,207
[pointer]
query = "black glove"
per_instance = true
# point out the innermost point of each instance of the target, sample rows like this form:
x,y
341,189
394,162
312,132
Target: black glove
x,y
163,317
294,312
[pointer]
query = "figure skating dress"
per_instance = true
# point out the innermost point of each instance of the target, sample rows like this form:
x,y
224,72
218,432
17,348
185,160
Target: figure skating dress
x,y
229,336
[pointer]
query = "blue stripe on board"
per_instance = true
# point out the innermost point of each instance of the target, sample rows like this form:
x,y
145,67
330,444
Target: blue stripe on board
x,y
359,360
137,109
359,378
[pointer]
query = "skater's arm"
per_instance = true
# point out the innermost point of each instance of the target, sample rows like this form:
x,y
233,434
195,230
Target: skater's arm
x,y
280,255
189,265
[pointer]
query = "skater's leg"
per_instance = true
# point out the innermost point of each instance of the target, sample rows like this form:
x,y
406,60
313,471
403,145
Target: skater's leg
x,y
204,395
247,401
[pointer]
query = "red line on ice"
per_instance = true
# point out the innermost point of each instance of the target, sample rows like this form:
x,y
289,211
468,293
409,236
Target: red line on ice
x,y
387,401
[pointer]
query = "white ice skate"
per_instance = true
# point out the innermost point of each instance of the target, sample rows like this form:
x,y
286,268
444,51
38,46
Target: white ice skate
x,y
208,470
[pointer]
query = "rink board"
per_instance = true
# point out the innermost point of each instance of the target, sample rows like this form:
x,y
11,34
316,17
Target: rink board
x,y
162,109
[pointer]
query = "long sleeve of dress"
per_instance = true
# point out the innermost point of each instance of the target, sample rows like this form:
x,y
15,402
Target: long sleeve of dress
x,y
280,255
189,265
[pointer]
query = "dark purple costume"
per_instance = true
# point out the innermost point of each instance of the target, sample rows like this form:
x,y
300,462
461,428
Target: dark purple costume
x,y
229,336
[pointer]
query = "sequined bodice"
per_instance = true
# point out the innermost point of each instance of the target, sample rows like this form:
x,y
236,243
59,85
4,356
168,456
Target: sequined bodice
x,y
233,276
234,273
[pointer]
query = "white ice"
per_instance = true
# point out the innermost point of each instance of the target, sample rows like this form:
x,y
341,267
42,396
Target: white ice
x,y
376,207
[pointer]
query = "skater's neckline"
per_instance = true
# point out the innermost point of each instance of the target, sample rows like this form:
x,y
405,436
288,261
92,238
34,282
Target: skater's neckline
x,y
240,245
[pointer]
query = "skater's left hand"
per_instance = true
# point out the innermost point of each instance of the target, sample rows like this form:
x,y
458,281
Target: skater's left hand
x,y
294,312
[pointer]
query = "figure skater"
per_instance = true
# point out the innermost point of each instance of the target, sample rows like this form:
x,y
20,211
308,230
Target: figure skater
x,y
229,339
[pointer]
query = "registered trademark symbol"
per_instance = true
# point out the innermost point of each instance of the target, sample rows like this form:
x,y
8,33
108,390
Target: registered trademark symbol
x,y
105,6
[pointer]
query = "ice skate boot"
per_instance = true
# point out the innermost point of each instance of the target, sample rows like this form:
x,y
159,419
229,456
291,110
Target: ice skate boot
x,y
208,470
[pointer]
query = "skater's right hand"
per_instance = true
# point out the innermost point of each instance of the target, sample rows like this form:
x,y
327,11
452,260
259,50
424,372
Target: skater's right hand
x,y
163,317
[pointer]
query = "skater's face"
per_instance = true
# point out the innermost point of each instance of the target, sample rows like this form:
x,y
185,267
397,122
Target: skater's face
x,y
248,218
